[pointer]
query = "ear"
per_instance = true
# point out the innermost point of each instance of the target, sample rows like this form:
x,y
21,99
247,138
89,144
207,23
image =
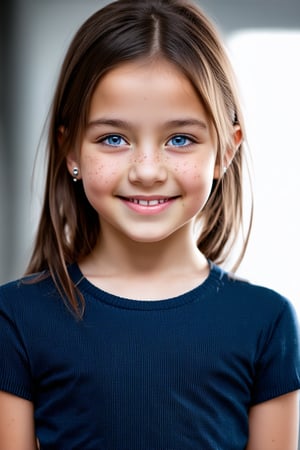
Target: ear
x,y
72,163
72,160
237,139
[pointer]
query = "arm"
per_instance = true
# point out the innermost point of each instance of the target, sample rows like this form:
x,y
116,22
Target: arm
x,y
273,425
16,423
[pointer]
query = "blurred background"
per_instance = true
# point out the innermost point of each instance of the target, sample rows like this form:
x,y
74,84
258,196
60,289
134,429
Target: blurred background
x,y
263,40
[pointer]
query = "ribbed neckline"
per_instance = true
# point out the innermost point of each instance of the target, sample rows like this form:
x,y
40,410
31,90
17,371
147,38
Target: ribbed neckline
x,y
212,283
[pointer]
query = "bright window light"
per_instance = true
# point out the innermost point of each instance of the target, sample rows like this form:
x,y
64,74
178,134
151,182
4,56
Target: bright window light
x,y
267,66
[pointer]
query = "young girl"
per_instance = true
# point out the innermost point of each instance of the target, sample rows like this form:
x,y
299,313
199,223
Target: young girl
x,y
126,334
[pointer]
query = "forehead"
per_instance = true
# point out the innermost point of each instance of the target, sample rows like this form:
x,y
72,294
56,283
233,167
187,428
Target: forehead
x,y
146,87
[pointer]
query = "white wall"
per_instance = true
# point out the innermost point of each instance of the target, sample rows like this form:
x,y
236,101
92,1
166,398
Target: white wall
x,y
269,73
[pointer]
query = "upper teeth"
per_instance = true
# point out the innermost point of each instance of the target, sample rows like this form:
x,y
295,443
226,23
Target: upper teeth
x,y
147,202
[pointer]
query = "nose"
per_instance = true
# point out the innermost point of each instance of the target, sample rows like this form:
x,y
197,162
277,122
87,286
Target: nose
x,y
148,168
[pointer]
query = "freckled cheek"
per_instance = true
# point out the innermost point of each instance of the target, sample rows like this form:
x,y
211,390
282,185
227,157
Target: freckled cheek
x,y
196,182
195,176
98,175
197,187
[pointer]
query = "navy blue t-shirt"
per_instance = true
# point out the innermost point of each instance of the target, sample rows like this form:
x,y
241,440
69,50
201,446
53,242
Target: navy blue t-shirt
x,y
173,374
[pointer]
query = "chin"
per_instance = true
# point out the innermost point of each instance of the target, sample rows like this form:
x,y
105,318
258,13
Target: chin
x,y
150,238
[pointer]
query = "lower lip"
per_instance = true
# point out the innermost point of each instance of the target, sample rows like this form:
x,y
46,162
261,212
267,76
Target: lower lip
x,y
148,210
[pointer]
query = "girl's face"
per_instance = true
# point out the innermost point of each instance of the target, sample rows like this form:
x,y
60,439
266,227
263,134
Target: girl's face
x,y
148,155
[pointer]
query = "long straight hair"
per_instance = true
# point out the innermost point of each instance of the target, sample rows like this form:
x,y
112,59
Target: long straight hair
x,y
128,30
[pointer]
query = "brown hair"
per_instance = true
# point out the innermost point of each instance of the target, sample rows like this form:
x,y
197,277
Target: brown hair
x,y
122,31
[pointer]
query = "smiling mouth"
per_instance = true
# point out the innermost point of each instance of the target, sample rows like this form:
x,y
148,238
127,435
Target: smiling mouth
x,y
143,202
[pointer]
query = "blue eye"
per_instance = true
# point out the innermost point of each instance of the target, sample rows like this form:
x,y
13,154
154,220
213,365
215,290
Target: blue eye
x,y
114,140
179,141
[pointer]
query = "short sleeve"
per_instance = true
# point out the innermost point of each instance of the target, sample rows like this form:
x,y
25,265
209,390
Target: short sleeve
x,y
278,365
14,366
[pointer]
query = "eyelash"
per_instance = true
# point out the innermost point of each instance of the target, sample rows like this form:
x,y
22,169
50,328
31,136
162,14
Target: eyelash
x,y
104,140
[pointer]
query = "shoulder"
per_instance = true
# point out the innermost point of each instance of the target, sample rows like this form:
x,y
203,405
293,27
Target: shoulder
x,y
26,292
245,289
253,299
27,283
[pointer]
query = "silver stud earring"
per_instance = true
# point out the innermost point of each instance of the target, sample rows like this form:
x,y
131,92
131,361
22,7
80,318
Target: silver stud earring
x,y
224,170
75,173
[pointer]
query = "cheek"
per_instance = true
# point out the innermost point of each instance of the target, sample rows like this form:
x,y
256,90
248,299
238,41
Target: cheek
x,y
196,181
98,176
198,175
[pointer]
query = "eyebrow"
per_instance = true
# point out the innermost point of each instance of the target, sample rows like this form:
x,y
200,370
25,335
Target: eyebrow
x,y
171,123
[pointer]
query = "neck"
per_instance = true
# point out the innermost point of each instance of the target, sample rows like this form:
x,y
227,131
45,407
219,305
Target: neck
x,y
177,253
150,271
